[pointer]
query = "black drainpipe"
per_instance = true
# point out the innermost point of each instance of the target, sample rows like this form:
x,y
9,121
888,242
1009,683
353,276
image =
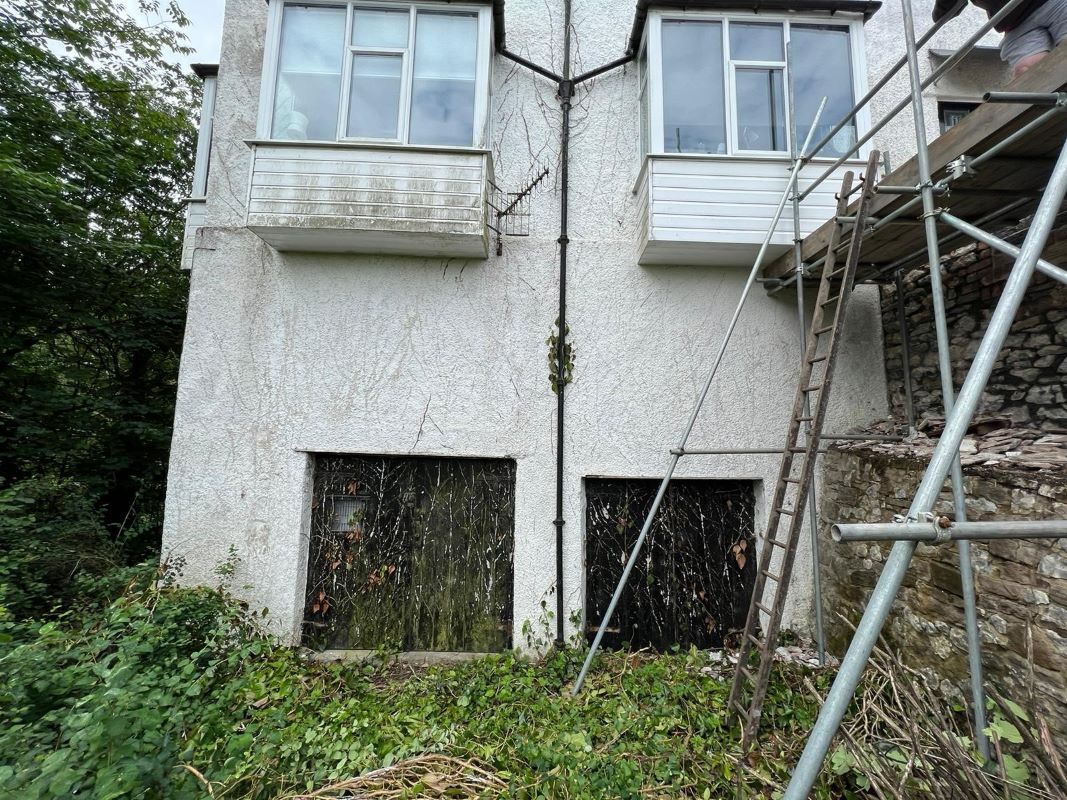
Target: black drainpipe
x,y
565,86
566,96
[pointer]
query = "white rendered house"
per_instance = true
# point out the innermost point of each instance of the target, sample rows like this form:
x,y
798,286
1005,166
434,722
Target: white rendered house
x,y
366,413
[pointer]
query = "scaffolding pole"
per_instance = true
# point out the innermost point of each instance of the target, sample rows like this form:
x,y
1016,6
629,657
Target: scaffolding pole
x,y
997,243
942,529
947,449
905,353
679,451
798,266
948,388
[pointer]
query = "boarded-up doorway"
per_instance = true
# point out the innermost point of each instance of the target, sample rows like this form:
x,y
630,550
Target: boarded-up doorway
x,y
693,581
411,553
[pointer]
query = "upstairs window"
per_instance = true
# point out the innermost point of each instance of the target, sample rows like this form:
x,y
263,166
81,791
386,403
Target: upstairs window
x,y
723,83
951,114
387,72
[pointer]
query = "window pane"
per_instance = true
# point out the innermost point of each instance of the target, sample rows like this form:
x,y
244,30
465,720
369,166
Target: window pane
x,y
374,28
309,73
442,90
374,104
760,109
693,93
822,67
756,42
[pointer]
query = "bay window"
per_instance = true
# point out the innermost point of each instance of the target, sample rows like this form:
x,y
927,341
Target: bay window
x,y
389,72
722,84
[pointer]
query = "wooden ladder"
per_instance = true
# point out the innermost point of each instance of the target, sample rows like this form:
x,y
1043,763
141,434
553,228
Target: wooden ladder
x,y
786,518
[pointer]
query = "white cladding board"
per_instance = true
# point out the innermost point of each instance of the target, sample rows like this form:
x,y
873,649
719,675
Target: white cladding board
x,y
333,198
195,216
717,211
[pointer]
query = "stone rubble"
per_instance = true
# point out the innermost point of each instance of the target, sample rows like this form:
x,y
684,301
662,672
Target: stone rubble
x,y
990,442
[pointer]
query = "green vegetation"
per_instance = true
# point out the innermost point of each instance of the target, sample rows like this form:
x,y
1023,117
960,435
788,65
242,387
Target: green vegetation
x,y
117,706
96,138
177,693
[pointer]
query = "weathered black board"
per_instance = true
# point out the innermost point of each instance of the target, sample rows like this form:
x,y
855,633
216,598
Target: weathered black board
x,y
693,580
411,553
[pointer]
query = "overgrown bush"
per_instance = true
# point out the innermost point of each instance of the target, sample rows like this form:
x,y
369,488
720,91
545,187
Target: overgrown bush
x,y
177,693
175,690
55,551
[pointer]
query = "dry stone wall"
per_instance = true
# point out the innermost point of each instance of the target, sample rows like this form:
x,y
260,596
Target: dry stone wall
x,y
1028,382
1021,584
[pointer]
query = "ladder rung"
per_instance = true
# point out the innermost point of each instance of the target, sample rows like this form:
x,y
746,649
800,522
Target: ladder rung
x,y
805,419
775,542
762,607
789,511
771,575
798,449
742,708
791,480
813,388
754,640
829,300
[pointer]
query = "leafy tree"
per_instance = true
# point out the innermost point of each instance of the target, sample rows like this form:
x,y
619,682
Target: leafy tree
x,y
96,142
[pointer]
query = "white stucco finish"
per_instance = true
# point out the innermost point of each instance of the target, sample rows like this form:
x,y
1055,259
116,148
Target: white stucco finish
x,y
287,354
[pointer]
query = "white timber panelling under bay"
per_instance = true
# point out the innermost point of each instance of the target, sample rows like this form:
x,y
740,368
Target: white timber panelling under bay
x,y
358,199
195,216
716,211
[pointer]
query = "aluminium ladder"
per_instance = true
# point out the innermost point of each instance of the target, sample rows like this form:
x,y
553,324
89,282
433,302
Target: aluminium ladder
x,y
786,517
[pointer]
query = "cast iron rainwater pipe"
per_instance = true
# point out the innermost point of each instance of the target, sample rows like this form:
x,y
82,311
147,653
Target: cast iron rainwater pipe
x,y
565,88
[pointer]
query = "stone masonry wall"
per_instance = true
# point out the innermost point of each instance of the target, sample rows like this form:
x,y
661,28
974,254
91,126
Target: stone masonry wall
x,y
1021,584
1028,382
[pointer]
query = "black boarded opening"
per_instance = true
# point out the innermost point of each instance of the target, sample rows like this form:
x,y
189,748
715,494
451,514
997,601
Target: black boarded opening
x,y
693,581
411,552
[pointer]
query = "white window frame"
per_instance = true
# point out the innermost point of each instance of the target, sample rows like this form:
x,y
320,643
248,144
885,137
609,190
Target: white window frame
x,y
202,163
653,44
272,52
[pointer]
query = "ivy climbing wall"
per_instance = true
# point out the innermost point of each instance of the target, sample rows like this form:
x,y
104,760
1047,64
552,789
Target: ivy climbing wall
x,y
411,553
693,580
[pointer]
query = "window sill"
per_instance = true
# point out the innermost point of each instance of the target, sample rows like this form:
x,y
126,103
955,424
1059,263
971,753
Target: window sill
x,y
353,145
784,158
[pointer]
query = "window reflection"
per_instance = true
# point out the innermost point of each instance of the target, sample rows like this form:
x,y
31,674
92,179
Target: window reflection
x,y
756,41
374,104
693,91
760,109
309,73
442,91
411,74
822,67
698,70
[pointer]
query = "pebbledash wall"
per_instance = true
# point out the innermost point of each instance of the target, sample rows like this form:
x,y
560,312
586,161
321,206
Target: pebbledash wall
x,y
288,355
1021,584
1029,379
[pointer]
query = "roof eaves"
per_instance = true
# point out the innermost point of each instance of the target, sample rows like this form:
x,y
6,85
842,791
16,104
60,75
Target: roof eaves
x,y
204,71
865,7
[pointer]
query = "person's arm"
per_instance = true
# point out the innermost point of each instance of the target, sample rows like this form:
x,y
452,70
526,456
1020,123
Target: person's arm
x,y
949,8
